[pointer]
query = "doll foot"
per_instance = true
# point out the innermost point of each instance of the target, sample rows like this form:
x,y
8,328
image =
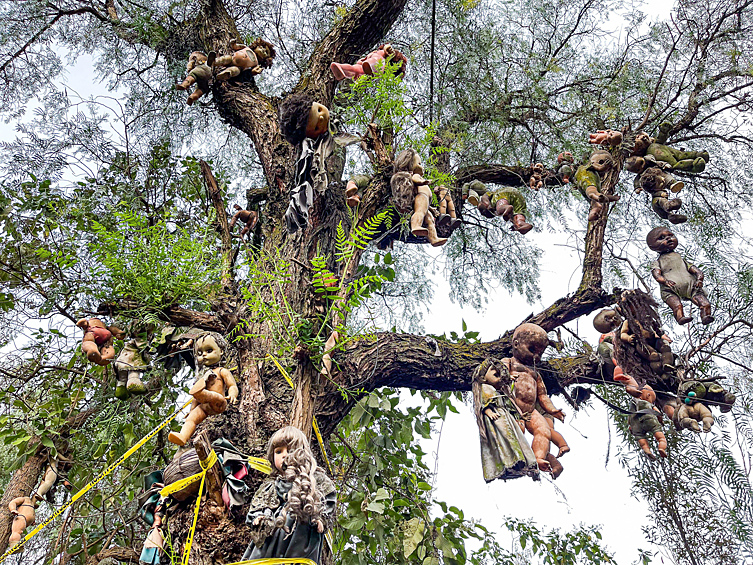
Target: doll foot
x,y
677,218
228,73
555,465
443,221
121,392
564,449
694,426
473,198
682,319
707,319
662,452
520,225
340,73
420,232
135,386
543,465
677,186
438,242
613,197
699,165
595,212
181,86
353,201
369,68
650,455
673,205
455,224
505,212
177,439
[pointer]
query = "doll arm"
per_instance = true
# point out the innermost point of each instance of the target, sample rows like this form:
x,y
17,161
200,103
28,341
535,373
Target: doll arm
x,y
659,277
13,506
545,401
698,274
117,332
232,387
625,334
491,413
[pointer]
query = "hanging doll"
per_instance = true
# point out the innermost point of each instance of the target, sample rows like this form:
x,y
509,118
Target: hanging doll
x,y
678,280
658,183
130,366
565,166
305,123
447,221
507,202
588,179
247,217
536,181
410,191
294,506
688,415
609,137
645,419
256,57
211,387
97,343
505,453
199,69
677,159
529,342
23,510
154,545
371,63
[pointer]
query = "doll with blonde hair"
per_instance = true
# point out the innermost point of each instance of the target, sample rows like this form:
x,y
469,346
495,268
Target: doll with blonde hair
x,y
294,506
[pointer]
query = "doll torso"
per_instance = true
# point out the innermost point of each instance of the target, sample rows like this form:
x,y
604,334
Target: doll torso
x,y
101,335
674,268
245,59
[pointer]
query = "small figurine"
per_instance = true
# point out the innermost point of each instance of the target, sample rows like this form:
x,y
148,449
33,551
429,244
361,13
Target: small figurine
x,y
130,366
306,123
565,166
247,217
677,279
608,137
371,63
410,191
209,390
23,510
645,419
294,506
97,343
688,415
199,73
529,342
507,202
658,183
256,57
588,180
677,159
505,453
536,181
154,545
355,187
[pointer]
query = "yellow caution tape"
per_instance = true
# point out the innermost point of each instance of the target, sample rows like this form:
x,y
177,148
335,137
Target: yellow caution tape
x,y
316,426
189,537
183,483
276,561
260,464
94,482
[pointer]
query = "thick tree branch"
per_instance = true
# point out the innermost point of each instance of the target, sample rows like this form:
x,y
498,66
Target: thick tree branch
x,y
176,315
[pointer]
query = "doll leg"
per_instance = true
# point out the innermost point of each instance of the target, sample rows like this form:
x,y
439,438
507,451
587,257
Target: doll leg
x,y
420,208
121,384
343,71
705,416
431,230
228,73
442,197
661,443
108,352
700,300
542,436
17,530
595,211
503,208
194,96
484,206
134,384
674,302
643,442
196,417
91,350
372,64
559,441
186,84
520,225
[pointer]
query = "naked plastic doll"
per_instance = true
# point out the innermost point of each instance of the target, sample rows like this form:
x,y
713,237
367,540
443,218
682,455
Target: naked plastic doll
x,y
410,191
23,509
246,217
588,179
529,342
678,280
97,343
256,57
199,73
211,387
370,64
294,507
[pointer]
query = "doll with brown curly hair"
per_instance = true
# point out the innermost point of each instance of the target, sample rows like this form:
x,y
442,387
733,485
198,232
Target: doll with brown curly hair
x,y
294,506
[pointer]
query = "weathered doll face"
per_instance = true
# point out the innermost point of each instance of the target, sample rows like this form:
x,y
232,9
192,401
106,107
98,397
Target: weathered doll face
x,y
318,120
647,393
642,141
529,343
665,242
281,451
607,320
207,351
197,58
601,161
565,157
261,52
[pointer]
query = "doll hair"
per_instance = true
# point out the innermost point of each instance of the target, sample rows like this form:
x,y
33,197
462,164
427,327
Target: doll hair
x,y
304,501
259,42
397,57
652,236
294,116
405,160
403,191
639,309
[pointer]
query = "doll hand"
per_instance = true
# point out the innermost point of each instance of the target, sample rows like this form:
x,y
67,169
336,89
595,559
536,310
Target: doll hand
x,y
630,339
559,414
256,70
666,338
319,526
492,415
669,283
232,394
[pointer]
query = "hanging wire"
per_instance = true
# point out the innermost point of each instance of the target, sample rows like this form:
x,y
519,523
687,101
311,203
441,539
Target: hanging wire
x,y
431,75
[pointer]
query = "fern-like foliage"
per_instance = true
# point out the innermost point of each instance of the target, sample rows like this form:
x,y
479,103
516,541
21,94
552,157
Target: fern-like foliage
x,y
360,236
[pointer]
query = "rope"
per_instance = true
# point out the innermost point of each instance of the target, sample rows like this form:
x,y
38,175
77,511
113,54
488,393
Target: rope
x,y
276,561
94,482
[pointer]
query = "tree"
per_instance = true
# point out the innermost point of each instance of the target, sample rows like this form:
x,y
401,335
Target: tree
x,y
131,224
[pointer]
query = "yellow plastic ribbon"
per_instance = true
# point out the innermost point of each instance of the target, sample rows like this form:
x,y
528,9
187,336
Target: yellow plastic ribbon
x,y
260,464
94,482
276,561
183,483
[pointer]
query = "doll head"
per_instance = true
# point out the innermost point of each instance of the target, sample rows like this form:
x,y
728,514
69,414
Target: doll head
x,y
565,157
642,141
661,240
529,342
209,348
607,320
601,161
264,51
408,160
195,59
395,57
301,117
290,438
